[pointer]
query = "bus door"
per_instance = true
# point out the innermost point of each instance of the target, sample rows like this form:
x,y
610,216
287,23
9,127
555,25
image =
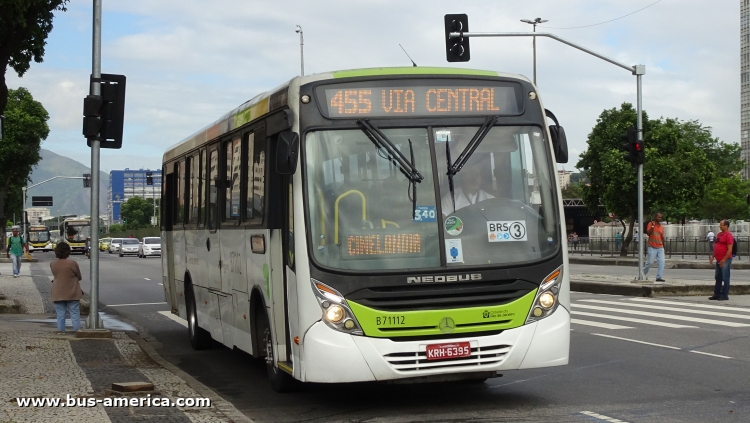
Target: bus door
x,y
168,276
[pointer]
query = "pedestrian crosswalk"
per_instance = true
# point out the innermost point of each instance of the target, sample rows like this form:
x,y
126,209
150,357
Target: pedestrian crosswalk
x,y
633,313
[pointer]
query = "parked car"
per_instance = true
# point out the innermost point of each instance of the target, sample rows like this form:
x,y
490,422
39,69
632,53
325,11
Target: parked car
x,y
129,246
150,246
104,244
114,245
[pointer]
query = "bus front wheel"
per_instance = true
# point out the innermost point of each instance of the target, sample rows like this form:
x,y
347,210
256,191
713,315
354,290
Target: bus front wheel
x,y
200,339
280,380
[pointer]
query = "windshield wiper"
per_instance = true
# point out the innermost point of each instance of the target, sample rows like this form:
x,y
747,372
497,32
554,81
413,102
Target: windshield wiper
x,y
454,168
382,142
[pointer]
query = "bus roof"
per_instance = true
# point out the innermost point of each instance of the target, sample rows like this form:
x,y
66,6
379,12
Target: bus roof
x,y
277,97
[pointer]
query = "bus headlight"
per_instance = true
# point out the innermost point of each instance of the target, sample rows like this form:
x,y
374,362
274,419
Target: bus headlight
x,y
546,300
336,312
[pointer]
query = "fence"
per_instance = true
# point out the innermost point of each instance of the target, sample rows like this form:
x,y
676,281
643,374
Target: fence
x,y
687,247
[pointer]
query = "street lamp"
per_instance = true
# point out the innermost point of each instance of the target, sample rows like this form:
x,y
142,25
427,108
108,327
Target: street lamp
x,y
534,22
301,50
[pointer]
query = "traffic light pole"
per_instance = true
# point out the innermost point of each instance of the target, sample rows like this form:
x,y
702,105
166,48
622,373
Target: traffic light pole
x,y
637,70
93,321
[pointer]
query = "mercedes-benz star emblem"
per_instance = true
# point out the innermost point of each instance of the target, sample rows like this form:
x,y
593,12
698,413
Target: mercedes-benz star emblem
x,y
446,325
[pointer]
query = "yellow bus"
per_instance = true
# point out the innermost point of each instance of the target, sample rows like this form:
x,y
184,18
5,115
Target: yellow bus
x,y
39,238
74,231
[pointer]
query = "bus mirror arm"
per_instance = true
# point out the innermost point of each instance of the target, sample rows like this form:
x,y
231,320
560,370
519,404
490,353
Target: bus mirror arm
x,y
559,141
287,150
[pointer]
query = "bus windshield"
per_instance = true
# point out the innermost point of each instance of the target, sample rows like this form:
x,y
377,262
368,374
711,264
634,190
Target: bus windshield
x,y
365,213
77,232
38,235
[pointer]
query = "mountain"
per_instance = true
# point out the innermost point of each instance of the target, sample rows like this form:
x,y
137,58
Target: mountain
x,y
68,195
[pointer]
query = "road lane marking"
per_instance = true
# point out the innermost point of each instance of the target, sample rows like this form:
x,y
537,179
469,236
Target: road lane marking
x,y
664,316
637,341
602,417
682,310
174,317
138,304
675,303
633,319
712,355
598,324
147,279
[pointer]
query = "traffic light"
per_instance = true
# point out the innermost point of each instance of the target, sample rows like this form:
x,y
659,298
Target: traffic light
x,y
457,49
103,115
629,140
87,180
149,178
640,152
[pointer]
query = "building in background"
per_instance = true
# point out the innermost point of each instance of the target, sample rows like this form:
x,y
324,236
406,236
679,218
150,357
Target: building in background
x,y
37,214
126,184
563,178
745,85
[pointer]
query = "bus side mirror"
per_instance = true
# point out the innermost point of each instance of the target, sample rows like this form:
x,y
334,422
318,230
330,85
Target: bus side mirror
x,y
287,150
559,141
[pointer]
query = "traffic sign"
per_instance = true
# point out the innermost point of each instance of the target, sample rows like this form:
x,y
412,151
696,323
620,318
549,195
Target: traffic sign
x,y
41,201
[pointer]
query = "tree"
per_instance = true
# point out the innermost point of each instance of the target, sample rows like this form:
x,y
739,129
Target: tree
x,y
136,212
24,27
573,191
726,199
25,128
677,170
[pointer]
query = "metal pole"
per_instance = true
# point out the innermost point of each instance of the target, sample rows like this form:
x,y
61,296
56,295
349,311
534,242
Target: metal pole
x,y
93,321
639,71
301,51
533,42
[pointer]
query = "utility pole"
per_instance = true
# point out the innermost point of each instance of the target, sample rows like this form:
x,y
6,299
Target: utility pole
x,y
637,70
533,42
301,50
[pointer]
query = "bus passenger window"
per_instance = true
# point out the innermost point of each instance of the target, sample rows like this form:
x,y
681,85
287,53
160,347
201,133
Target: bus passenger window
x,y
194,190
256,179
179,211
213,202
232,184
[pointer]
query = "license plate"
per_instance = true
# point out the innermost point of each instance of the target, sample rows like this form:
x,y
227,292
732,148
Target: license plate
x,y
448,351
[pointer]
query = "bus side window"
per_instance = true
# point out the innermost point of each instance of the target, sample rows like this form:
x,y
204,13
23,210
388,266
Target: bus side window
x,y
256,179
201,199
193,190
232,182
213,190
179,211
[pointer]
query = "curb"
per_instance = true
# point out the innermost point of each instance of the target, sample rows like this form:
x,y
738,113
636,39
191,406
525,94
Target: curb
x,y
606,261
220,403
646,290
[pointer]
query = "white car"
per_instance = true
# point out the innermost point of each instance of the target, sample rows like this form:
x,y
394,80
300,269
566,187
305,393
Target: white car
x,y
150,246
114,245
129,246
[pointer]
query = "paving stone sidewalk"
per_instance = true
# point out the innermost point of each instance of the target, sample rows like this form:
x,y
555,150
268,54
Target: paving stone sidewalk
x,y
37,362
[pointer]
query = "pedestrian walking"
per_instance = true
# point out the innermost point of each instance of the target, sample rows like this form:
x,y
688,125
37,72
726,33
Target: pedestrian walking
x,y
618,241
655,232
16,247
723,256
575,240
711,237
66,287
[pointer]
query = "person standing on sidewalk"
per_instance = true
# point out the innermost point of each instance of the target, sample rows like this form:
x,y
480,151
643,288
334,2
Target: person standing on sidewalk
x,y
16,247
711,237
66,287
723,255
655,232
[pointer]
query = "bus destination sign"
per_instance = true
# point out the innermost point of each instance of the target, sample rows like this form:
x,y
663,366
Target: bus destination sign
x,y
383,245
438,99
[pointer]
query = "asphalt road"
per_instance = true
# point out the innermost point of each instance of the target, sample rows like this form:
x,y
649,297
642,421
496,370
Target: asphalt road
x,y
628,363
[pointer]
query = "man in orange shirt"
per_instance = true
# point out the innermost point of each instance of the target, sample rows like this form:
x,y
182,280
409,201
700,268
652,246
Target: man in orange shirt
x,y
655,232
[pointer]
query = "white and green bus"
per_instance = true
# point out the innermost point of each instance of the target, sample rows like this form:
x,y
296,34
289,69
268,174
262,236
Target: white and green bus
x,y
374,225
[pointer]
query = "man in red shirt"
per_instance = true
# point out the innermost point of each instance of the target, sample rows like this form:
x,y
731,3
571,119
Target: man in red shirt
x,y
655,232
723,256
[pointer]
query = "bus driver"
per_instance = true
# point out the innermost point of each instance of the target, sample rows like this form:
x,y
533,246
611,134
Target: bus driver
x,y
468,192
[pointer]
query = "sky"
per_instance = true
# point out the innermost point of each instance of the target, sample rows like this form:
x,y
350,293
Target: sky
x,y
188,62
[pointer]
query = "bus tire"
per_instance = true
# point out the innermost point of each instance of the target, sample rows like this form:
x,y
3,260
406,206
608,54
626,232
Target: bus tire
x,y
281,381
200,339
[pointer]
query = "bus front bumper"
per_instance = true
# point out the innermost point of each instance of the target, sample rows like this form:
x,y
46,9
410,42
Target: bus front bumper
x,y
332,357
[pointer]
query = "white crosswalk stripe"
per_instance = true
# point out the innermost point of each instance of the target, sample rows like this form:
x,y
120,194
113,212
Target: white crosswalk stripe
x,y
631,319
578,305
678,309
598,324
692,305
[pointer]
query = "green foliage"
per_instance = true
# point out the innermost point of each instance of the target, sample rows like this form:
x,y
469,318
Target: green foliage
x,y
116,228
726,199
24,27
573,191
682,159
137,213
25,128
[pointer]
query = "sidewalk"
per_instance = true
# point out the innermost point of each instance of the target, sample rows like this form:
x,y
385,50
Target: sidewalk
x,y
626,285
36,362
